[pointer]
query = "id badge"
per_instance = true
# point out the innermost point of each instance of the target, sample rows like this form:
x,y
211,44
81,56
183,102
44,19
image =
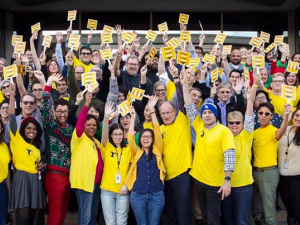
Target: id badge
x,y
286,164
118,178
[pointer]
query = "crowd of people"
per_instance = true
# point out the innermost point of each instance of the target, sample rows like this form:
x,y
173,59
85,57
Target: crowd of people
x,y
217,151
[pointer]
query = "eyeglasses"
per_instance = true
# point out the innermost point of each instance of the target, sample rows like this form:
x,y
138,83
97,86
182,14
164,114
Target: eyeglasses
x,y
264,113
28,103
234,122
85,53
5,87
160,90
61,112
225,92
262,98
132,64
5,108
146,136
37,90
278,81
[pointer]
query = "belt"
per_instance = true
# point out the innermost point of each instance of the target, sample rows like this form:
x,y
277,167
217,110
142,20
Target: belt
x,y
262,169
58,172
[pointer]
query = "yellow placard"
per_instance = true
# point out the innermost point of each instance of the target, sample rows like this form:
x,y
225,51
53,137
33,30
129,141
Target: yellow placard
x,y
183,18
220,38
214,75
10,71
194,62
209,58
107,38
265,36
278,39
256,42
175,42
92,87
137,93
183,58
76,46
289,92
286,46
124,108
20,47
128,37
168,53
292,67
21,69
270,47
163,27
88,78
129,99
47,41
220,71
72,15
185,36
74,39
16,38
226,50
258,61
106,54
246,74
152,53
35,27
108,29
151,35
92,24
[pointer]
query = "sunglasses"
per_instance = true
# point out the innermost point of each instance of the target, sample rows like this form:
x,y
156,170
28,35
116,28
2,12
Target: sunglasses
x,y
264,113
225,92
5,87
28,103
85,53
234,122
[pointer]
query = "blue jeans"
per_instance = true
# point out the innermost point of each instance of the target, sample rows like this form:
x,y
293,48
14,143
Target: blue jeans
x,y
147,208
95,204
3,202
84,200
115,207
236,207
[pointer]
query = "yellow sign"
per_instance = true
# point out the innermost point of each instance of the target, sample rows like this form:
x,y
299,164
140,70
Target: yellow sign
x,y
20,47
10,71
220,71
183,58
128,37
246,74
292,67
47,41
220,38
74,41
285,46
214,75
175,42
278,39
185,36
151,35
92,87
270,47
152,53
137,93
183,18
72,15
76,46
106,54
92,24
258,61
21,69
194,62
163,27
35,27
124,108
168,53
106,38
88,78
226,49
209,58
108,29
289,92
265,36
16,38
256,42
129,99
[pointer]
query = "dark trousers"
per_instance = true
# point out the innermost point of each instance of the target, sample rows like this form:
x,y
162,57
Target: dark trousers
x,y
289,188
210,203
236,207
178,199
3,202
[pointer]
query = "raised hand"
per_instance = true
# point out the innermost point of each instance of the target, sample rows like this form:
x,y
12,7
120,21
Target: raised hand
x,y
90,37
174,71
201,37
144,70
40,76
119,30
88,98
152,102
136,42
79,98
12,89
109,109
59,36
69,31
43,58
112,72
132,113
34,36
239,86
288,109
69,58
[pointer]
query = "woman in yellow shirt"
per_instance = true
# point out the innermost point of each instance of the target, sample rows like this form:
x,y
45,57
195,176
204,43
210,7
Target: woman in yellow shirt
x,y
117,158
4,161
27,189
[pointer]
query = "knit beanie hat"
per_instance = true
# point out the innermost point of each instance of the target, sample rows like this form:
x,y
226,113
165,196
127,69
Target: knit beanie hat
x,y
211,107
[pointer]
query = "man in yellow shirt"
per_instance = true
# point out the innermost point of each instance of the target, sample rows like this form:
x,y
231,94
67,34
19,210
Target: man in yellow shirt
x,y
85,56
265,144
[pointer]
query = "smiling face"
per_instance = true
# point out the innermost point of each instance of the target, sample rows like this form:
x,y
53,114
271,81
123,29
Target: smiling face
x,y
61,113
94,112
196,97
264,75
62,87
264,116
296,118
27,105
125,122
167,113
4,111
85,56
117,136
147,114
30,131
277,83
132,66
146,139
235,57
224,94
235,122
291,79
297,58
208,118
5,89
160,92
90,128
37,90
244,53
260,98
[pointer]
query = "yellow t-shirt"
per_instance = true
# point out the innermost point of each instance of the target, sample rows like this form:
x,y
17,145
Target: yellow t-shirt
x,y
177,154
4,161
279,102
111,166
265,147
148,125
84,160
242,174
25,156
208,163
77,62
171,89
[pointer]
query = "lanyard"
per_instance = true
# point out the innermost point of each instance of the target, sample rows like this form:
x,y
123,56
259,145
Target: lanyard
x,y
119,159
288,144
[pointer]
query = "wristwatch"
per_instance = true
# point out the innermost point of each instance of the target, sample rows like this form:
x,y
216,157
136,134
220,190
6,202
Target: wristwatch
x,y
228,178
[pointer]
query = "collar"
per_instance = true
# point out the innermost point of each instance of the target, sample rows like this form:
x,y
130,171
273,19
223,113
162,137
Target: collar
x,y
212,126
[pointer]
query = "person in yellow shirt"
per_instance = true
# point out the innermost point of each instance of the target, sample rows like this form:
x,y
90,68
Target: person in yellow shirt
x,y
117,157
4,172
146,176
214,156
235,208
85,56
265,144
27,189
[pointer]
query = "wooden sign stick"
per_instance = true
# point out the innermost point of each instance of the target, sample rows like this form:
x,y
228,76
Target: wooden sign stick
x,y
123,46
201,26
109,62
71,23
148,42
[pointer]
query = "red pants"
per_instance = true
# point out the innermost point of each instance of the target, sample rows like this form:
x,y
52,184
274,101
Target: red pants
x,y
58,191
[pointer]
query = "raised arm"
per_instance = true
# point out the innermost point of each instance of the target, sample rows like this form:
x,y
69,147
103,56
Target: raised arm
x,y
113,86
161,65
83,114
12,110
117,61
143,74
249,118
33,51
201,40
143,52
20,85
119,34
58,51
281,131
131,135
109,109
